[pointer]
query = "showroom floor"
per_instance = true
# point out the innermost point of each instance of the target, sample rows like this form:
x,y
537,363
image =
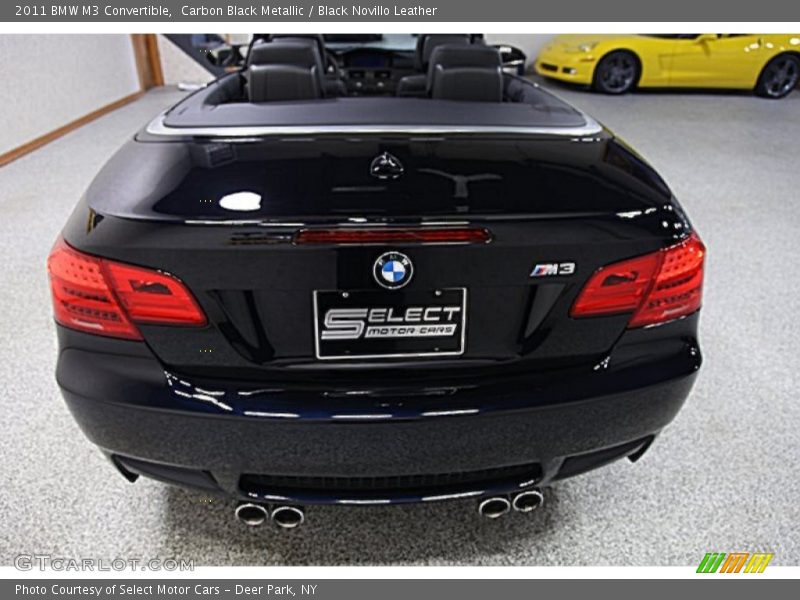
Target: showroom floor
x,y
723,477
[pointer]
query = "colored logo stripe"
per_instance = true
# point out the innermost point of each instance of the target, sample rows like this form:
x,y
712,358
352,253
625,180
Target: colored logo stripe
x,y
734,562
758,562
711,562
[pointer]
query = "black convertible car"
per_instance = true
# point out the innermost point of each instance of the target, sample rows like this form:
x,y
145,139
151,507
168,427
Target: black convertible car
x,y
372,275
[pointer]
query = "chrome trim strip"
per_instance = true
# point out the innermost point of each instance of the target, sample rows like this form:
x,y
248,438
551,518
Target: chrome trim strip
x,y
364,502
271,415
260,391
453,496
363,416
209,392
243,134
451,413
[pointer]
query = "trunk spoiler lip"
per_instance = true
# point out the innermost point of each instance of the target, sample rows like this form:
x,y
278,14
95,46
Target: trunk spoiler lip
x,y
245,134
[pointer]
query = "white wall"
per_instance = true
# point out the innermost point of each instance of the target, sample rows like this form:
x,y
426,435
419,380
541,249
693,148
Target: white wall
x,y
179,68
51,80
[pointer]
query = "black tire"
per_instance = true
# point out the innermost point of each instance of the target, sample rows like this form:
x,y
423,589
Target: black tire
x,y
779,77
617,73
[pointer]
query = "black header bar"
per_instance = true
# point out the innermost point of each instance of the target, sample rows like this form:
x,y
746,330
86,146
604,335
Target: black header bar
x,y
434,11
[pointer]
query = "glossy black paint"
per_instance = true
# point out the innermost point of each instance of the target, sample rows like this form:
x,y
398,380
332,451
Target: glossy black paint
x,y
328,179
128,405
247,395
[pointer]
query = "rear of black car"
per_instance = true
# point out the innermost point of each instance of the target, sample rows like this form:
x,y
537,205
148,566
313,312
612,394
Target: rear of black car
x,y
276,321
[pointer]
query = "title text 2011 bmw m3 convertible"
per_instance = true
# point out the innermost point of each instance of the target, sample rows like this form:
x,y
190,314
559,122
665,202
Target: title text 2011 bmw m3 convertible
x,y
291,289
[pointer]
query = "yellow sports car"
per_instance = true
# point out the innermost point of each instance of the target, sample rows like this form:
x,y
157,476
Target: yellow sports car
x,y
769,64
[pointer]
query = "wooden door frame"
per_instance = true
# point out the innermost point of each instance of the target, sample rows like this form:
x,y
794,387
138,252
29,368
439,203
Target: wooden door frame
x,y
148,60
148,67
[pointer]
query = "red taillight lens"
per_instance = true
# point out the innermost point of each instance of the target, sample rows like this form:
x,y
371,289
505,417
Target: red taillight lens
x,y
617,288
82,298
656,287
678,288
153,297
106,297
463,235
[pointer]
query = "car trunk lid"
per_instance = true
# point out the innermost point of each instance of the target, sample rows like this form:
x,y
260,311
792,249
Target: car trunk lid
x,y
225,218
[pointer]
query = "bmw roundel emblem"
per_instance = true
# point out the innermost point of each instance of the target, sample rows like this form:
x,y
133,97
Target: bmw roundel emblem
x,y
393,270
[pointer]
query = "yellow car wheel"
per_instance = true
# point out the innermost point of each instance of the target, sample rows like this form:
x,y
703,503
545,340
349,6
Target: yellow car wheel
x,y
779,77
617,72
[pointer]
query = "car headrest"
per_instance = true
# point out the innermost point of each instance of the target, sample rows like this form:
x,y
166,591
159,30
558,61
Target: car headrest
x,y
450,55
298,52
427,43
275,83
317,38
473,84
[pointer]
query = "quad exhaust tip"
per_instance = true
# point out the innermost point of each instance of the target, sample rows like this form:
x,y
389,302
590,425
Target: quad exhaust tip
x,y
251,514
528,501
524,502
288,517
494,507
254,515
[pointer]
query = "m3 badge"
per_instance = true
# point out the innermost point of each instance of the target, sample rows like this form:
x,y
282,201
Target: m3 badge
x,y
553,269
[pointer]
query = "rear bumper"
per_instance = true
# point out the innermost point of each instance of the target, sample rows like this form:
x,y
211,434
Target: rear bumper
x,y
267,442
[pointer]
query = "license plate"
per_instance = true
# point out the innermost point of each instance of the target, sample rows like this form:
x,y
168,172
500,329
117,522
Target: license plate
x,y
377,324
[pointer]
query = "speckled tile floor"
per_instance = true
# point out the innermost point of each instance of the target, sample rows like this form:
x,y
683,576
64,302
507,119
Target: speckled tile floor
x,y
724,476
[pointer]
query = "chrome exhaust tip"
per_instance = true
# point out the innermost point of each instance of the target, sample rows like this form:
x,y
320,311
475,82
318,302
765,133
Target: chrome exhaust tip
x,y
494,507
527,501
288,517
252,514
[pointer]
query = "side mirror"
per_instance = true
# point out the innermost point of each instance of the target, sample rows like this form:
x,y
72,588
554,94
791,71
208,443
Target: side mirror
x,y
512,59
704,38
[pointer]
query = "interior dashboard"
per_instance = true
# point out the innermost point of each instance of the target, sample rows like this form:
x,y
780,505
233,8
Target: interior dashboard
x,y
374,71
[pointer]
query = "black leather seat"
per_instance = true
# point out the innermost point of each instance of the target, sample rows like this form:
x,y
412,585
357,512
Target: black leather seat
x,y
469,84
275,83
471,73
289,69
314,37
330,78
417,85
301,52
452,56
427,43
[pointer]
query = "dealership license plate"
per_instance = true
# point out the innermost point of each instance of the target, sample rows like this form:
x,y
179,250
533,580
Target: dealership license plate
x,y
377,324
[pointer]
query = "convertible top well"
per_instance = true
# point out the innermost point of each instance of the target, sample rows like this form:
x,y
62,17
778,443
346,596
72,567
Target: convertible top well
x,y
526,108
286,88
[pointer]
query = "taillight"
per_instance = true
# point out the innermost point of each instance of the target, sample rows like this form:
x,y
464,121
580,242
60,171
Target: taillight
x,y
105,297
444,235
656,287
152,297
